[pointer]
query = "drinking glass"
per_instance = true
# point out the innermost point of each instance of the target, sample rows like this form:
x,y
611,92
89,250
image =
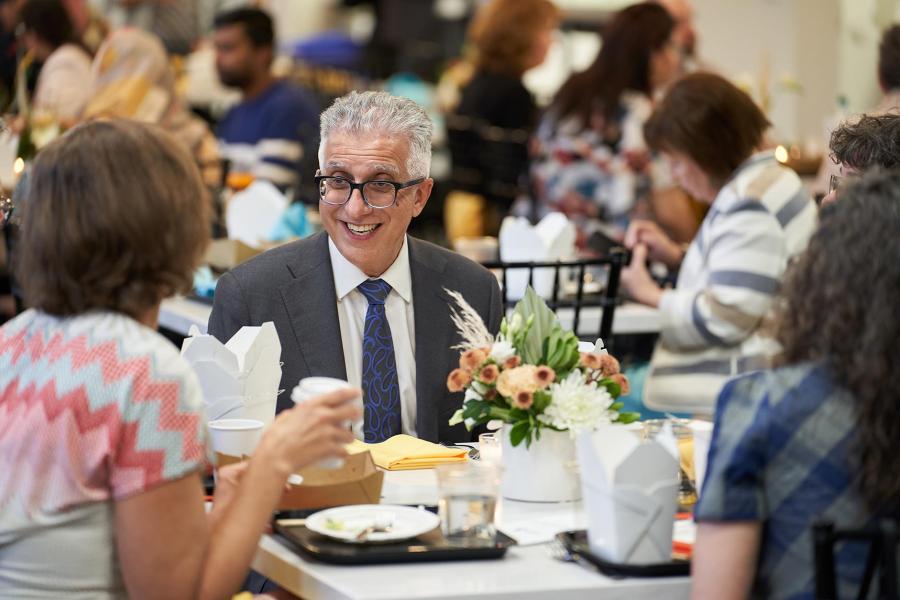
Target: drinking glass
x,y
684,437
467,502
490,448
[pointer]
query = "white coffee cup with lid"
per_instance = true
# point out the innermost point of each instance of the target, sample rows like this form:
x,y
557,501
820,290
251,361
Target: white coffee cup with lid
x,y
311,387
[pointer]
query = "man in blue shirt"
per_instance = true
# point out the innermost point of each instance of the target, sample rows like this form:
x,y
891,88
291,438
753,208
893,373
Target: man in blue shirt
x,y
264,135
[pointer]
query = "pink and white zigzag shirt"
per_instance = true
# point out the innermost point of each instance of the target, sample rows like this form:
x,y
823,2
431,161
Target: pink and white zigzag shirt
x,y
93,409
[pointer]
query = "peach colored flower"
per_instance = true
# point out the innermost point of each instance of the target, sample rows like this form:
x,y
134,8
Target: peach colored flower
x,y
523,400
605,363
545,376
608,365
458,380
590,360
622,381
512,362
488,374
520,379
472,359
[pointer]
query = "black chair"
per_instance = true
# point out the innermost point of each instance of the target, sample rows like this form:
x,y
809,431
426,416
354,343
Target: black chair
x,y
882,539
606,299
488,160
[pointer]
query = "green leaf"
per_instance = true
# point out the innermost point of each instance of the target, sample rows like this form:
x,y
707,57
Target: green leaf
x,y
617,406
627,417
457,418
541,401
612,387
518,433
535,312
479,410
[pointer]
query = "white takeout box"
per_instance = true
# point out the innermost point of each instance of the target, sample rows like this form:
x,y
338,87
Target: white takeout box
x,y
240,378
630,492
550,240
253,213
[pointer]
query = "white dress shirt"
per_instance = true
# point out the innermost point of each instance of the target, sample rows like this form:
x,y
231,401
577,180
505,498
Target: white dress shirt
x,y
398,307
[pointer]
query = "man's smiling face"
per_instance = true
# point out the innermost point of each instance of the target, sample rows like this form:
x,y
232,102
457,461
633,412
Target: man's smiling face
x,y
370,238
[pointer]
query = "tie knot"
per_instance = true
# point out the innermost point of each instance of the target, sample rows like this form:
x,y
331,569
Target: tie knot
x,y
375,290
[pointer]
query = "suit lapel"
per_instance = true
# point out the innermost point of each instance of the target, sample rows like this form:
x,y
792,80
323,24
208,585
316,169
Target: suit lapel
x,y
311,305
433,328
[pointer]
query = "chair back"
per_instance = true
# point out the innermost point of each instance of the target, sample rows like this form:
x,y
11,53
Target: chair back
x,y
882,558
574,301
488,160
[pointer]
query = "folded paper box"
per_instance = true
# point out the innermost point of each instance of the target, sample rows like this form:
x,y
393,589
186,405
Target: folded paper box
x,y
357,482
630,492
550,240
239,379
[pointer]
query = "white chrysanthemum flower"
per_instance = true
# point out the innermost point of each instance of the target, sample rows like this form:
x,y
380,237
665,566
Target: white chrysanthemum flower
x,y
577,406
502,350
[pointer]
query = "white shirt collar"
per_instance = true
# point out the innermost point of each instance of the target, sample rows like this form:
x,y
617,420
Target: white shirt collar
x,y
348,276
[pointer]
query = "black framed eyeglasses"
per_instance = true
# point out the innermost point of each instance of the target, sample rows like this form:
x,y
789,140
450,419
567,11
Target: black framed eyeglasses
x,y
377,193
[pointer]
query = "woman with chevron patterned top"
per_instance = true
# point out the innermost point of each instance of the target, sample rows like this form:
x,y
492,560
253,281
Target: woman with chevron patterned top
x,y
102,433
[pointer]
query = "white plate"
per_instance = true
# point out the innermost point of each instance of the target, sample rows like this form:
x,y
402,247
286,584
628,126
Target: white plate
x,y
346,522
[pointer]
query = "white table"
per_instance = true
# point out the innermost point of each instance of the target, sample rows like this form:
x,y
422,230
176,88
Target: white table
x,y
527,572
178,314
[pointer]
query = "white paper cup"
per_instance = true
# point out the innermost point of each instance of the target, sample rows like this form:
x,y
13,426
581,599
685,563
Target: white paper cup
x,y
235,437
311,387
702,436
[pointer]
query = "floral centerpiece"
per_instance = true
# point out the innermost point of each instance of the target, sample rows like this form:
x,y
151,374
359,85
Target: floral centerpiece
x,y
532,376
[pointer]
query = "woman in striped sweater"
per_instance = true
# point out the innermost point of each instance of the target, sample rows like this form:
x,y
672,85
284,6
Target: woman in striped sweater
x,y
760,217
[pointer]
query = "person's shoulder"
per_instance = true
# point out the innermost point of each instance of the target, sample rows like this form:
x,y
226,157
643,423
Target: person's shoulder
x,y
283,262
71,52
289,96
782,387
442,259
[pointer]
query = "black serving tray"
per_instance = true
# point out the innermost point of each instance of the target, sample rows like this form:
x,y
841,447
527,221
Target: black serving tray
x,y
428,547
576,544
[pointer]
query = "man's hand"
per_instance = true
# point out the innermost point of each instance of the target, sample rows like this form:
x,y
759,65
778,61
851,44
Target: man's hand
x,y
312,431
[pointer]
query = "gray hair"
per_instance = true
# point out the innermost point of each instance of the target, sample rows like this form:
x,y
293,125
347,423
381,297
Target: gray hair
x,y
381,113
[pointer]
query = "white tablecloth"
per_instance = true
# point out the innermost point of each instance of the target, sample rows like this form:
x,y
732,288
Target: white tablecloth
x,y
527,572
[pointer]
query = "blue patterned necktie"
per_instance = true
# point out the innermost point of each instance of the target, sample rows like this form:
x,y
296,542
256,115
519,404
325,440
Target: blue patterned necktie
x,y
381,389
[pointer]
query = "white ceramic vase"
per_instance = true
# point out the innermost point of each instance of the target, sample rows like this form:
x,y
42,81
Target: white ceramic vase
x,y
545,472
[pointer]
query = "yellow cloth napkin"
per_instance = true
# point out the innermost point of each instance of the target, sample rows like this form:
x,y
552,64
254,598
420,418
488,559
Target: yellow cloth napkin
x,y
403,453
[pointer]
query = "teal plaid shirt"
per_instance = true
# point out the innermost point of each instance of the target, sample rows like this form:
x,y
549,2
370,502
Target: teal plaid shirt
x,y
783,454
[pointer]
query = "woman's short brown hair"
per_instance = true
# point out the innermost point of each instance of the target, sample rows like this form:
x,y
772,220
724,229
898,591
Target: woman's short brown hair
x,y
504,32
709,120
116,217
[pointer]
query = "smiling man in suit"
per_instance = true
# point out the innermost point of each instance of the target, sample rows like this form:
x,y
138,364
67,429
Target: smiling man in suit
x,y
363,301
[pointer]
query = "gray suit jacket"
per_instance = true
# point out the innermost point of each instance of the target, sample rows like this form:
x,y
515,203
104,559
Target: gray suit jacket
x,y
293,286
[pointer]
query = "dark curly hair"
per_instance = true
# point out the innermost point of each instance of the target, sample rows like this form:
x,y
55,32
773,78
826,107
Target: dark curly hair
x,y
839,309
871,141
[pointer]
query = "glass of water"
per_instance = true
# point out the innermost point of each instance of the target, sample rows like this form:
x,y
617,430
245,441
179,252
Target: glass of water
x,y
490,448
468,499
